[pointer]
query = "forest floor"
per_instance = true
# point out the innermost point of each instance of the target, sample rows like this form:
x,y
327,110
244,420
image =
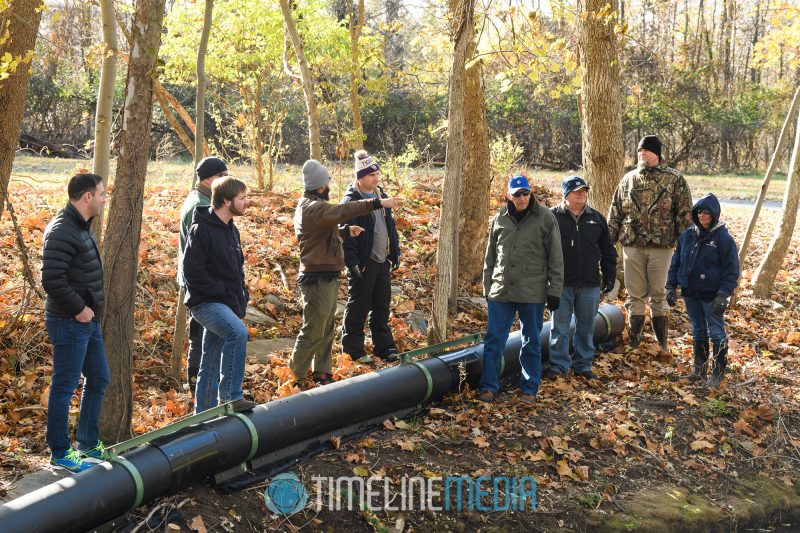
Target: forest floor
x,y
636,450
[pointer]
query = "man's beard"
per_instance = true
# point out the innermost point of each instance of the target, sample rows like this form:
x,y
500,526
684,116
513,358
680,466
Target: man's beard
x,y
326,194
236,212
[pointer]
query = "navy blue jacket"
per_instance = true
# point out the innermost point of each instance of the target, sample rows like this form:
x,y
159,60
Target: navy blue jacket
x,y
72,272
587,248
706,262
213,263
358,250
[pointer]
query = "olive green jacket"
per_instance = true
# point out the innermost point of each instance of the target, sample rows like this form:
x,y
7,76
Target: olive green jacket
x,y
523,261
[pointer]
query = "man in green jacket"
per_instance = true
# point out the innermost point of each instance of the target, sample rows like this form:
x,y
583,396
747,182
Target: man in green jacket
x,y
319,234
523,271
207,170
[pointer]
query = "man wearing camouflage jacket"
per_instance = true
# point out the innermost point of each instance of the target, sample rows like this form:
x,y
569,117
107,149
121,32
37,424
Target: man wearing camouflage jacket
x,y
649,211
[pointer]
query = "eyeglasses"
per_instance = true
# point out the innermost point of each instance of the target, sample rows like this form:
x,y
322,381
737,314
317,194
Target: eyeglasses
x,y
521,193
703,212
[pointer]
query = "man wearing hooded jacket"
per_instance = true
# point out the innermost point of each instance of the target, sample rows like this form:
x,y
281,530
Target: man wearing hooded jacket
x,y
369,258
706,267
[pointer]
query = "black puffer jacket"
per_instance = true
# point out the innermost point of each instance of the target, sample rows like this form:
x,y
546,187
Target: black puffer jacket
x,y
213,263
72,273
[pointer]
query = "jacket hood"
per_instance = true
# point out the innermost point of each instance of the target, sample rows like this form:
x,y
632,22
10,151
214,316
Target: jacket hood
x,y
205,215
709,203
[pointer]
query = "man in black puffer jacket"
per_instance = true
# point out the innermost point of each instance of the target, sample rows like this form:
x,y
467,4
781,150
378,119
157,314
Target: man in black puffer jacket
x,y
72,277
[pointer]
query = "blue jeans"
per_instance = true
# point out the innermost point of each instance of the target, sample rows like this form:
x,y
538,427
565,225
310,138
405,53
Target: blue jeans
x,y
498,326
582,302
705,321
77,349
224,352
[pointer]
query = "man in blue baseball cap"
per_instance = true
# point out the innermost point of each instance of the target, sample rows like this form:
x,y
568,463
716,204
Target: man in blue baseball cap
x,y
588,251
523,271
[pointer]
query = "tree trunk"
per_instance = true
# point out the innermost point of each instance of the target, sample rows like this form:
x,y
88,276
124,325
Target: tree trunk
x,y
447,250
104,116
764,277
200,99
305,77
123,231
356,25
601,105
762,193
476,179
19,26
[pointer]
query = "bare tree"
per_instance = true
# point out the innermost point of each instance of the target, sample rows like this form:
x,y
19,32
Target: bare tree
x,y
356,25
305,77
601,103
104,119
764,276
462,34
121,250
476,177
19,26
200,99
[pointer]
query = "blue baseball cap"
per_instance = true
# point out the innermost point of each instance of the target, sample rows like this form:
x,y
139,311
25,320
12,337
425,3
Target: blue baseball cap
x,y
518,183
573,183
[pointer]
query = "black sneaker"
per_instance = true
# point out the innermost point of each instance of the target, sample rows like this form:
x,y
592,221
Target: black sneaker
x,y
390,355
550,373
243,406
587,374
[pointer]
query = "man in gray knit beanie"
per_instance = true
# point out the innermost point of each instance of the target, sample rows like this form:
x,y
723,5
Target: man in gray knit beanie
x,y
316,225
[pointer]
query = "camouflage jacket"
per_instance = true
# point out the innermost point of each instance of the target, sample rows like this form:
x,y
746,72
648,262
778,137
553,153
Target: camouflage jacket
x,y
650,208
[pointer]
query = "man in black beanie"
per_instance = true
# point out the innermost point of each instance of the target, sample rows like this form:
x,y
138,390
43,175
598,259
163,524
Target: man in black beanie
x,y
649,211
208,170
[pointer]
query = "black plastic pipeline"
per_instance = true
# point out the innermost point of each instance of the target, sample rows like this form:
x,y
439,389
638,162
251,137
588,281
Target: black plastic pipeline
x,y
109,490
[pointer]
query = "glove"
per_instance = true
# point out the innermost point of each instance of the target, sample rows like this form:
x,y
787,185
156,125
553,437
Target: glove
x,y
355,272
553,302
672,298
720,304
608,286
395,265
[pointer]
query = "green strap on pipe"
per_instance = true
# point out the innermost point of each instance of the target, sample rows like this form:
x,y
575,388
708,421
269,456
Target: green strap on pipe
x,y
608,323
253,435
137,479
406,357
428,378
502,364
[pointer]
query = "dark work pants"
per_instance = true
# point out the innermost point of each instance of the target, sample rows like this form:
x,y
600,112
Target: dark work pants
x,y
370,295
195,352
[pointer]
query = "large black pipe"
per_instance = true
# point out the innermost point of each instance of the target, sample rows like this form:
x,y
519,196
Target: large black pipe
x,y
107,491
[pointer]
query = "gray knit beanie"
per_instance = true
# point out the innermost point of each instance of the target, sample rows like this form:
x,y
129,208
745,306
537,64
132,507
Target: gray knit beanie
x,y
315,175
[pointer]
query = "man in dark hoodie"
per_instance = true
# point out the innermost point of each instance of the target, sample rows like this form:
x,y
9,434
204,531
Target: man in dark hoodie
x,y
216,295
369,259
208,169
72,278
706,267
316,225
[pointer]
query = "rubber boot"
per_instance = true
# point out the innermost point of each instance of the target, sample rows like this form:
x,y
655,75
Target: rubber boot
x,y
700,361
635,329
720,362
660,329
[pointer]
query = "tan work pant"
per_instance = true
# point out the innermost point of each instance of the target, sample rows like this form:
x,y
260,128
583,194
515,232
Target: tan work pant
x,y
645,276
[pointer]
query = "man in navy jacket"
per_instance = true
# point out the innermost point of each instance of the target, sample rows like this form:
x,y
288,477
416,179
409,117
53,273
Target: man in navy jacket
x,y
587,250
216,295
369,259
706,267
